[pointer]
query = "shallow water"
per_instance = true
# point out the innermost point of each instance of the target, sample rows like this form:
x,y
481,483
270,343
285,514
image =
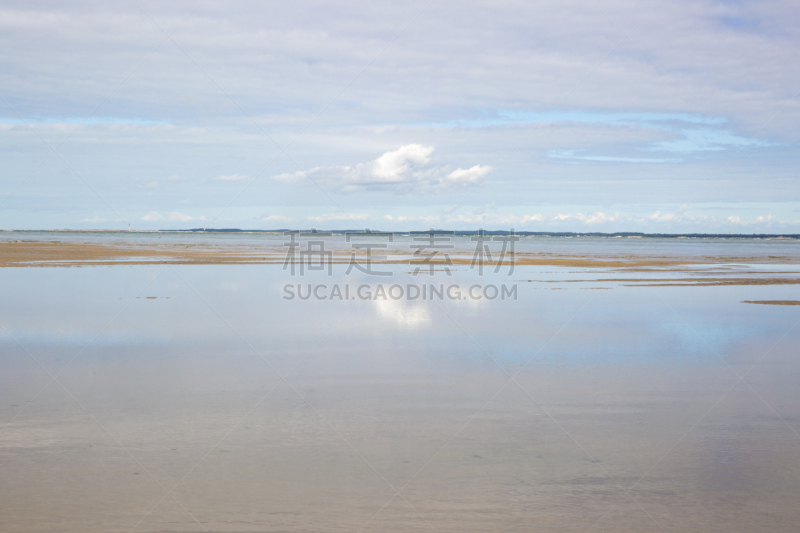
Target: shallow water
x,y
191,398
666,247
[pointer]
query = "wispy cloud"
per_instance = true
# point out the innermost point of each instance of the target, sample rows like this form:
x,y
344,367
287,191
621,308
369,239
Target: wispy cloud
x,y
706,140
174,216
577,156
664,113
590,218
681,214
338,216
761,219
401,218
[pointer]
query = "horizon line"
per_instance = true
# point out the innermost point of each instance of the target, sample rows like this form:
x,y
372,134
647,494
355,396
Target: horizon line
x,y
524,233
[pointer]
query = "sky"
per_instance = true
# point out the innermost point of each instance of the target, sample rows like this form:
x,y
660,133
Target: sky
x,y
620,115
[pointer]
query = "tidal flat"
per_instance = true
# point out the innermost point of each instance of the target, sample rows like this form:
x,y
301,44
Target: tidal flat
x,y
180,391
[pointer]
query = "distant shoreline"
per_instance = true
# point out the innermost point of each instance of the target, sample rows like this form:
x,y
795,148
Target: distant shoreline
x,y
621,234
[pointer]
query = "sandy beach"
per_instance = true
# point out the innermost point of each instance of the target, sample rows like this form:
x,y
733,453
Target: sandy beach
x,y
692,270
54,253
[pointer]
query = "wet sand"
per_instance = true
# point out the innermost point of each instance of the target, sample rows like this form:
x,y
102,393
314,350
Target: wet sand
x,y
65,254
773,302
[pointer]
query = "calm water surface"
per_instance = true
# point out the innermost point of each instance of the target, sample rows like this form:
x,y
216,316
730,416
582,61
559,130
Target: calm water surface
x,y
197,398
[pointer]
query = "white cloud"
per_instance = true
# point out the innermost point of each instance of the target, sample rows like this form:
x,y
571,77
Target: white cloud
x,y
277,218
342,216
573,155
532,218
592,218
497,219
681,214
94,220
473,219
174,216
405,170
666,217
401,218
758,220
152,216
232,177
174,177
183,217
471,176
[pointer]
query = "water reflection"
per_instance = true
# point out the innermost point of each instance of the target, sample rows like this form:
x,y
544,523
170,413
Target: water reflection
x,y
199,398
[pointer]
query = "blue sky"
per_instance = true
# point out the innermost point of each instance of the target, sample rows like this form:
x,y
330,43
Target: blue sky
x,y
563,116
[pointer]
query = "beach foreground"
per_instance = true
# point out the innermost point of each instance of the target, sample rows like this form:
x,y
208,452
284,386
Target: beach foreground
x,y
182,392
